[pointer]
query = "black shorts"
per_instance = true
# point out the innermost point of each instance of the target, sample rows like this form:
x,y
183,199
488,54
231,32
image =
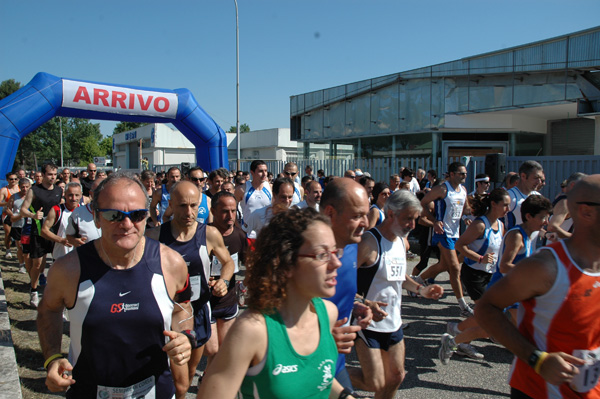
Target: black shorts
x,y
15,233
381,340
6,220
202,326
475,281
227,313
39,247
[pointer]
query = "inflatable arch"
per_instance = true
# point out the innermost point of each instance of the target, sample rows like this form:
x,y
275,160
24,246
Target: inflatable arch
x,y
47,96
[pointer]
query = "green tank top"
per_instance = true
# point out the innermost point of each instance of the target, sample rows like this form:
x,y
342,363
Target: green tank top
x,y
285,373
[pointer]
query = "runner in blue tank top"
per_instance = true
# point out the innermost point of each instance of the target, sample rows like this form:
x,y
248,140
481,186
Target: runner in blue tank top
x,y
128,301
160,198
195,242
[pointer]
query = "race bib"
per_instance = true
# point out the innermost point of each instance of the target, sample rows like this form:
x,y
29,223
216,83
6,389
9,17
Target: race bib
x,y
216,266
395,268
195,285
588,375
141,390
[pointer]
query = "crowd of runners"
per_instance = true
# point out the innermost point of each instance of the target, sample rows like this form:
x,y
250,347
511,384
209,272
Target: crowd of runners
x,y
144,270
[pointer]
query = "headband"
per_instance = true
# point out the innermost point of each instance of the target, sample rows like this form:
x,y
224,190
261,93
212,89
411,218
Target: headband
x,y
485,179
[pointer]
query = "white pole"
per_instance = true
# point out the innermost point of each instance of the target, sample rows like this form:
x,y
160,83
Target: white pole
x,y
237,81
61,141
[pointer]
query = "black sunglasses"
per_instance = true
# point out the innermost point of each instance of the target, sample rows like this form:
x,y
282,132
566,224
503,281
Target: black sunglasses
x,y
588,203
290,173
115,215
197,179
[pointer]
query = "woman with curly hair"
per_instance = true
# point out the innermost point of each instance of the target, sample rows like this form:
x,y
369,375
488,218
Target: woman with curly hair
x,y
282,346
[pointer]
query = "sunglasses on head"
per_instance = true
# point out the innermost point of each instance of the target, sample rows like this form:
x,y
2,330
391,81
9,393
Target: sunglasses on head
x,y
115,215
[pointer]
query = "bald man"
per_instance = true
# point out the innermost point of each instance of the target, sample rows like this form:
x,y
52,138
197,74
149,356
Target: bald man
x,y
195,242
556,348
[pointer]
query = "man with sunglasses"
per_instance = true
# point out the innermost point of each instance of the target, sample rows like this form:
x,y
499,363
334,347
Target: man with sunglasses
x,y
38,202
196,176
127,297
381,278
160,198
290,170
450,201
556,342
86,182
195,242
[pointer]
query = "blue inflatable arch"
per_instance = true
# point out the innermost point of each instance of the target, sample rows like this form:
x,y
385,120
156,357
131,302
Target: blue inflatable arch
x,y
47,96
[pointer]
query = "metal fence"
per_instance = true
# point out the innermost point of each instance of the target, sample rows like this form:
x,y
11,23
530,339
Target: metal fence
x,y
556,168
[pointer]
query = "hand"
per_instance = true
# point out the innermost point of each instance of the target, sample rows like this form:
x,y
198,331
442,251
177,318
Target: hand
x,y
559,368
57,379
552,236
433,291
179,348
438,227
467,222
344,335
489,258
66,243
378,313
363,314
219,288
39,215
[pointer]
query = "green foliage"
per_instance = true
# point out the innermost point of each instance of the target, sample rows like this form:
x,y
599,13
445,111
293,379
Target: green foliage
x,y
244,128
8,87
126,126
106,147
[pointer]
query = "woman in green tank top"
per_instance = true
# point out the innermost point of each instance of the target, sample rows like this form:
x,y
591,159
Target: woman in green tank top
x,y
282,346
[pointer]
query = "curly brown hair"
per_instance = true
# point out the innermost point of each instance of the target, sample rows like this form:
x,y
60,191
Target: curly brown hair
x,y
275,254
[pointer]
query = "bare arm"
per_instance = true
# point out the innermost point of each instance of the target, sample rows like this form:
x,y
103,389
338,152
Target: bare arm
x,y
13,217
3,195
373,217
513,242
245,345
25,212
153,204
209,220
436,193
63,278
559,214
533,277
48,234
473,232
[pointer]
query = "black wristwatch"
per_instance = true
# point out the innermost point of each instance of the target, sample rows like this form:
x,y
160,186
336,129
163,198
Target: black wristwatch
x,y
191,335
534,357
226,282
345,393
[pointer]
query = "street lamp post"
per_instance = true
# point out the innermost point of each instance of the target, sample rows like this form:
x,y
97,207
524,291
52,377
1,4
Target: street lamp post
x,y
237,81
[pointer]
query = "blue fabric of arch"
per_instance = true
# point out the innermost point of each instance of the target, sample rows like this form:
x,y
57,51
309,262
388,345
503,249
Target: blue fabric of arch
x,y
43,98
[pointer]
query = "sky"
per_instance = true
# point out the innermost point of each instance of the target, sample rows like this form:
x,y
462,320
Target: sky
x,y
286,47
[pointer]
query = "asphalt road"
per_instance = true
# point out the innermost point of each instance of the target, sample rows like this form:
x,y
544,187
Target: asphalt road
x,y
427,378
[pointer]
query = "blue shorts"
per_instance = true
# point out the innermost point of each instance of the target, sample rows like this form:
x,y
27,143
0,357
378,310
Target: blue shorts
x,y
381,340
202,325
444,241
228,313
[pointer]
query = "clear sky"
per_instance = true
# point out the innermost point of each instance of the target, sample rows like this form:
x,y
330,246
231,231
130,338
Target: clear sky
x,y
286,47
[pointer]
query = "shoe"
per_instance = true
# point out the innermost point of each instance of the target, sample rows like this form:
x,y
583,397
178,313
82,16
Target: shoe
x,y
410,255
42,279
8,255
65,316
447,349
467,312
452,329
469,351
34,299
22,269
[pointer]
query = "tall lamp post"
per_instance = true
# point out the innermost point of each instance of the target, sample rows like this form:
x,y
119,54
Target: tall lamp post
x,y
237,82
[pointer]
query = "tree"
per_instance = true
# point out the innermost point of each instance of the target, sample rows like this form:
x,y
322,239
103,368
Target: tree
x,y
244,128
106,147
125,126
8,87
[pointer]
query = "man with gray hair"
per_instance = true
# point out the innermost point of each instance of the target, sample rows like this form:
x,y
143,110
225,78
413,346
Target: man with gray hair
x,y
382,275
560,224
531,174
313,196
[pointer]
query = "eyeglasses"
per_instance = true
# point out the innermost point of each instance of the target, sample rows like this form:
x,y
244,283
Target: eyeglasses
x,y
200,179
13,179
290,173
461,173
588,203
91,170
115,215
324,256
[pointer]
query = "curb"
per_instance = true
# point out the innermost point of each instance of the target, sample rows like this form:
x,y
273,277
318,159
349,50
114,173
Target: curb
x,y
10,385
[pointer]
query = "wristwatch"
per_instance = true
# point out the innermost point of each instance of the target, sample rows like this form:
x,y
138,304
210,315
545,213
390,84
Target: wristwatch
x,y
534,357
191,335
226,282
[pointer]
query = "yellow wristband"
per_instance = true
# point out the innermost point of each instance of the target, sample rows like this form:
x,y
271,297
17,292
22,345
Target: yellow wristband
x,y
52,358
538,364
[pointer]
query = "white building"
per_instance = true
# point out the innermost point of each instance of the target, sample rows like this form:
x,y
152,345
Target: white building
x,y
161,144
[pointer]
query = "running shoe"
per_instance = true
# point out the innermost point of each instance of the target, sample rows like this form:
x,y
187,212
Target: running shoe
x,y
469,351
22,269
447,348
42,279
8,255
452,329
410,255
467,312
34,299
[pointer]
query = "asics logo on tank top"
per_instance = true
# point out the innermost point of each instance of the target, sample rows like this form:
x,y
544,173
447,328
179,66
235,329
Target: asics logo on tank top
x,y
281,369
